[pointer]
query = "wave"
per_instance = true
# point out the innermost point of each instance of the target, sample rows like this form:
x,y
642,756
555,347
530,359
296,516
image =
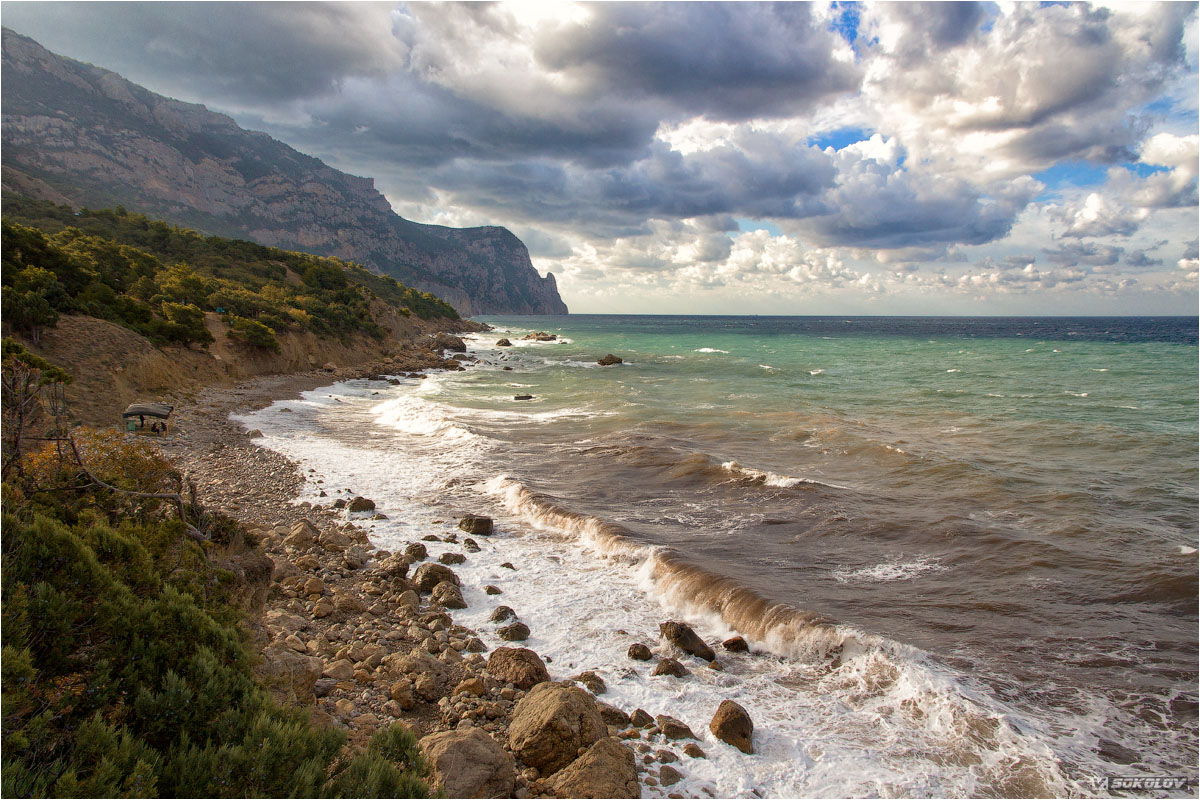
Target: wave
x,y
871,677
710,350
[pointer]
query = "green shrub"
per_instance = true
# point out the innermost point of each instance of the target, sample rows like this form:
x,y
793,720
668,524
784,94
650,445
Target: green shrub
x,y
253,333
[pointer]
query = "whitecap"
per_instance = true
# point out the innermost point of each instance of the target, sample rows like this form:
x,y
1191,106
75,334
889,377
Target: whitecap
x,y
816,372
710,350
890,571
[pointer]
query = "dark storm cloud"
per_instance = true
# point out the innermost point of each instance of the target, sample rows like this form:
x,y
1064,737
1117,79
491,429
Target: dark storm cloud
x,y
725,61
222,52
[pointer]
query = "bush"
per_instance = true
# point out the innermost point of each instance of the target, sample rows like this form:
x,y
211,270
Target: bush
x,y
253,333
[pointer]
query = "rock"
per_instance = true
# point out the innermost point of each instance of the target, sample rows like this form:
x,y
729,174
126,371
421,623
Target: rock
x,y
469,763
416,551
401,692
682,636
355,558
666,756
640,719
289,673
551,723
408,600
673,728
508,565
339,503
522,397
322,609
471,546
323,686
303,535
609,360
640,652
340,670
692,749
314,585
474,686
446,341
593,682
489,589
517,632
732,724
668,775
308,562
736,644
613,715
607,769
447,595
476,525
330,366
335,542
669,666
394,566
519,666
476,645
504,343
360,504
429,575
348,603
503,613
452,558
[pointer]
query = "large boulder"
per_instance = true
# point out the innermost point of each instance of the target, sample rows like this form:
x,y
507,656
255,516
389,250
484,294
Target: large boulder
x,y
609,360
447,595
516,632
519,666
732,724
551,723
504,343
607,769
476,525
682,636
361,504
429,574
469,763
447,341
302,536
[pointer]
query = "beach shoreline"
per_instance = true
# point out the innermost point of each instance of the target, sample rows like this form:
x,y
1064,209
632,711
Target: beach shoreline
x,y
322,659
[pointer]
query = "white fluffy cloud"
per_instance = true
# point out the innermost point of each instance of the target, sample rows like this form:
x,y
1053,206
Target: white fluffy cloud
x,y
720,154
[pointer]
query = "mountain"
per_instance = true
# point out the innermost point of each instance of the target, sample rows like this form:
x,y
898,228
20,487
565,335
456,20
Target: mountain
x,y
84,136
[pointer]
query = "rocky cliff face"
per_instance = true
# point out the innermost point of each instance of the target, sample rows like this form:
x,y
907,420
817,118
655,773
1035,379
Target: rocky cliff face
x,y
81,134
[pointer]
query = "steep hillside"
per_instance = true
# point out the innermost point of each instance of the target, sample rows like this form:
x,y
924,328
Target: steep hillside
x,y
76,133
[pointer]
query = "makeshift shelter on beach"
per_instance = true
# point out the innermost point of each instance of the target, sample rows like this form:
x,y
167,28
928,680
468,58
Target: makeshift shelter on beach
x,y
135,416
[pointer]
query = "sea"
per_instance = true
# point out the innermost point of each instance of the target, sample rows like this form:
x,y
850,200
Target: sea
x,y
963,550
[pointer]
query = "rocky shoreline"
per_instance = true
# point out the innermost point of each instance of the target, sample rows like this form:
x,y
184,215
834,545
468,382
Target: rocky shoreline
x,y
366,637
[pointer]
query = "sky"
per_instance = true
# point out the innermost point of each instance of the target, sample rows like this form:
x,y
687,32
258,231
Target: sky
x,y
795,158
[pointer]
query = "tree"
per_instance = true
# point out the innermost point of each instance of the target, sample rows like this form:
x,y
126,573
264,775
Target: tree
x,y
32,390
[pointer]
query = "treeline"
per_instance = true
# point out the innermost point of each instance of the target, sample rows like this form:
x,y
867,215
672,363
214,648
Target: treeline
x,y
125,672
158,280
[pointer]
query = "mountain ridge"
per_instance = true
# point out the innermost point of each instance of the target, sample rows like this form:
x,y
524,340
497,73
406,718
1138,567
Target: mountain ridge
x,y
75,132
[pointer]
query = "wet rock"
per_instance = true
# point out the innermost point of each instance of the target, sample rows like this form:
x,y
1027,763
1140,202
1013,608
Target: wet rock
x,y
516,632
429,575
476,645
395,566
489,589
359,504
416,551
606,769
540,336
666,756
669,666
612,715
504,343
447,595
692,749
503,613
732,724
476,525
471,546
469,763
669,776
736,644
452,558
519,666
682,636
640,652
673,728
551,723
609,360
522,397
593,682
640,719
508,565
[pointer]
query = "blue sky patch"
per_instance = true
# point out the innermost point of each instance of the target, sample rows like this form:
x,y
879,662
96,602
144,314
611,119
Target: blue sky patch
x,y
748,225
1070,174
840,138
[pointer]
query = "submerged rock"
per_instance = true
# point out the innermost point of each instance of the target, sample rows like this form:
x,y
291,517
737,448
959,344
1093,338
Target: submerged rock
x,y
476,525
736,644
640,652
609,360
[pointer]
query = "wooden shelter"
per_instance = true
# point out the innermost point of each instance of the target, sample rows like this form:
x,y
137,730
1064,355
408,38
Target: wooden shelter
x,y
135,416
